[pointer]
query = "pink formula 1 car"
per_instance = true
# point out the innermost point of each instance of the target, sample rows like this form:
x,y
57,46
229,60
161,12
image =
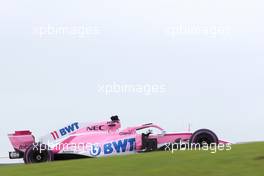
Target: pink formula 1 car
x,y
79,140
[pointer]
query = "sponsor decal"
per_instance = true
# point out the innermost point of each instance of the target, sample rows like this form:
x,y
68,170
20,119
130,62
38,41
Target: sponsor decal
x,y
64,131
119,146
95,150
95,128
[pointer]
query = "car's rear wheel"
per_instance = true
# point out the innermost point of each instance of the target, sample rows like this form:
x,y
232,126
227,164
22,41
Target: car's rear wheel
x,y
204,136
38,153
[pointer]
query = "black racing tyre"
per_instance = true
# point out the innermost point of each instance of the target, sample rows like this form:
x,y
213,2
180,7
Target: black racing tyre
x,y
38,153
204,136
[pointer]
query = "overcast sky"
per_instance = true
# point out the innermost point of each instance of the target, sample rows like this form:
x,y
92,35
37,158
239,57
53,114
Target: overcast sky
x,y
57,57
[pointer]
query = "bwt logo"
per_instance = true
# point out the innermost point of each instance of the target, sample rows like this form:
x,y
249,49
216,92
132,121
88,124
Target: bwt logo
x,y
65,130
119,146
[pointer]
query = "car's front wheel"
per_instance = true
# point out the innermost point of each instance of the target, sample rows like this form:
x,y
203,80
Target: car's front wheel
x,y
204,136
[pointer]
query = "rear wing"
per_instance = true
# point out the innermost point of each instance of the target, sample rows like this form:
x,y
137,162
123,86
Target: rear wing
x,y
21,140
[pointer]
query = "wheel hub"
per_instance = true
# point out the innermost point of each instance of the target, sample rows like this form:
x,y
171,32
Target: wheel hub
x,y
38,157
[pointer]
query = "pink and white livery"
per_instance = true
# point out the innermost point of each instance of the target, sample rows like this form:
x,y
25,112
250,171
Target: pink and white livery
x,y
80,140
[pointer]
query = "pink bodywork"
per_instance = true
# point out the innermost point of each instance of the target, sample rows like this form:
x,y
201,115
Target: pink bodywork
x,y
101,136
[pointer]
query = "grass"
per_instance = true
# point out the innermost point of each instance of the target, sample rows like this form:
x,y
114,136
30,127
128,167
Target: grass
x,y
242,160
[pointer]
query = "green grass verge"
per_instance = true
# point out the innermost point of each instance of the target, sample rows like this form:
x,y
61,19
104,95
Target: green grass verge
x,y
242,160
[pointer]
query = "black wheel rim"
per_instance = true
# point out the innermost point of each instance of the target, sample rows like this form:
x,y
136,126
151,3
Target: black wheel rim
x,y
203,139
37,156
